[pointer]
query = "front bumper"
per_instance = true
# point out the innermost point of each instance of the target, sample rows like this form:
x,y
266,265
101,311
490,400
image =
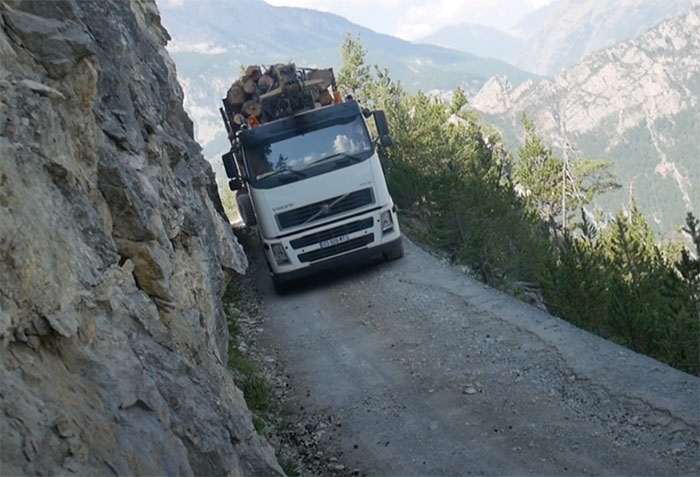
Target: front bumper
x,y
358,256
348,240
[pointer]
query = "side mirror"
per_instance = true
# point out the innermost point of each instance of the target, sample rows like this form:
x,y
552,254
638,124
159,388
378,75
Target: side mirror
x,y
382,128
235,184
230,165
386,141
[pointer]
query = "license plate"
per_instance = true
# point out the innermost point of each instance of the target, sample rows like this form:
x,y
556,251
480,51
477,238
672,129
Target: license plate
x,y
333,241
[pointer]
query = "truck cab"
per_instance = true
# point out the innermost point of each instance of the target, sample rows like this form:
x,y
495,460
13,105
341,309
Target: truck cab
x,y
316,190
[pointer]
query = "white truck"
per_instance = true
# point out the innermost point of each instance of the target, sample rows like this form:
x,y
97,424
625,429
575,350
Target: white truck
x,y
310,178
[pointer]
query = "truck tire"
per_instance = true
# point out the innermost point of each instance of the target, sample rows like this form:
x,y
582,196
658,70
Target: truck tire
x,y
395,252
281,286
245,208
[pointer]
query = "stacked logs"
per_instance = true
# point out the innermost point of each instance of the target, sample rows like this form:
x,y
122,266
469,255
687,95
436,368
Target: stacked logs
x,y
245,96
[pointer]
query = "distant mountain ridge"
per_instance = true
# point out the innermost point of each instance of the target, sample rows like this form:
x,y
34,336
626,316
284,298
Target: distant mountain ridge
x,y
560,34
312,36
212,39
479,40
574,28
636,103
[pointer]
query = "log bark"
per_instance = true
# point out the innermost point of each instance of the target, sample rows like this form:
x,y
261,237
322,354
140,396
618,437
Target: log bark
x,y
249,86
324,97
322,77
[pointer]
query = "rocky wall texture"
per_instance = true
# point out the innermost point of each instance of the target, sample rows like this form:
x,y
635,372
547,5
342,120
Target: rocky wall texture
x,y
114,253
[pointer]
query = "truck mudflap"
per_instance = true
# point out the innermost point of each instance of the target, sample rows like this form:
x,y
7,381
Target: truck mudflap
x,y
392,250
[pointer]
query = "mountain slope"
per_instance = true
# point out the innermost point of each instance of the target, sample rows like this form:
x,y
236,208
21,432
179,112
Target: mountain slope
x,y
476,39
569,29
294,32
637,103
211,40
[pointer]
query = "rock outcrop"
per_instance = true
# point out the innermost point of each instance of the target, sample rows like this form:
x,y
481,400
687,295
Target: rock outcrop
x,y
114,255
636,103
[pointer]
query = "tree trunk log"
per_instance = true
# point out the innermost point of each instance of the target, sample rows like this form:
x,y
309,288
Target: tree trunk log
x,y
265,83
249,86
252,108
238,119
235,95
323,77
325,98
253,72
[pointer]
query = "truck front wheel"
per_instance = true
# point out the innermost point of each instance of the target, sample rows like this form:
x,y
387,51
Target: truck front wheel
x,y
280,285
395,252
245,209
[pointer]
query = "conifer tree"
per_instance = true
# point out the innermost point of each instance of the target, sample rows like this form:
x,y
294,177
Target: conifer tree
x,y
354,74
689,266
459,100
540,175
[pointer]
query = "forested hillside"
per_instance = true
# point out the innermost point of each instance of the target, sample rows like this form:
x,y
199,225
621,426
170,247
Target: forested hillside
x,y
460,193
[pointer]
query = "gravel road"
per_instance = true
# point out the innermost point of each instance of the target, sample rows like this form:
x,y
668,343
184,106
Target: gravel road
x,y
418,369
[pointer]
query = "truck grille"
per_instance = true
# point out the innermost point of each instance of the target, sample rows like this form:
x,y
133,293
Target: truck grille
x,y
322,253
326,208
317,237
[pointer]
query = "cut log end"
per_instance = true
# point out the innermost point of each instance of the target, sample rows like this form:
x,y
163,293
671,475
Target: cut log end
x,y
252,108
238,119
253,72
265,83
235,95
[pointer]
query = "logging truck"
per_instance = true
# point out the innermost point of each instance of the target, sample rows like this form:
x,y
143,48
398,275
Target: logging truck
x,y
306,171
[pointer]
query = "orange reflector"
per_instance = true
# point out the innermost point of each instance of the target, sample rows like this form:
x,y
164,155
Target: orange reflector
x,y
336,97
254,123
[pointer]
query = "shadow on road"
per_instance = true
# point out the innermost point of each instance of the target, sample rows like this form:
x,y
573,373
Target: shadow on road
x,y
331,278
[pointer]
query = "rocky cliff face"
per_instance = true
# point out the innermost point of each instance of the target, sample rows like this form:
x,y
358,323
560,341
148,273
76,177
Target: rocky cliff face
x,y
636,103
114,253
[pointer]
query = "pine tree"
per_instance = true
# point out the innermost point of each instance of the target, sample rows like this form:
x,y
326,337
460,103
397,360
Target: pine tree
x,y
539,173
459,100
688,266
635,283
354,74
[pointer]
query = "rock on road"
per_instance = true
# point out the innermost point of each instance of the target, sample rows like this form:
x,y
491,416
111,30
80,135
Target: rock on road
x,y
429,372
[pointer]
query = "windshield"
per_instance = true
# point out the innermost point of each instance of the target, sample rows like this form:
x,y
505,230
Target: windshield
x,y
296,157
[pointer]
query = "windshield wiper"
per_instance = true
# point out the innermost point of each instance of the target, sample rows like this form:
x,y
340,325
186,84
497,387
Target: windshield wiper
x,y
280,171
352,157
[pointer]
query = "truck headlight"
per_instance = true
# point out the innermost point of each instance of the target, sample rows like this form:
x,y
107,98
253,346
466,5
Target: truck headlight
x,y
387,221
279,253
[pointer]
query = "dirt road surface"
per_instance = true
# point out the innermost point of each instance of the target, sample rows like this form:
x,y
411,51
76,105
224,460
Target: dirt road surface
x,y
421,370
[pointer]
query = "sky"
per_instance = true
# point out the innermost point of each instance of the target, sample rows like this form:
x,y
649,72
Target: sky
x,y
415,19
